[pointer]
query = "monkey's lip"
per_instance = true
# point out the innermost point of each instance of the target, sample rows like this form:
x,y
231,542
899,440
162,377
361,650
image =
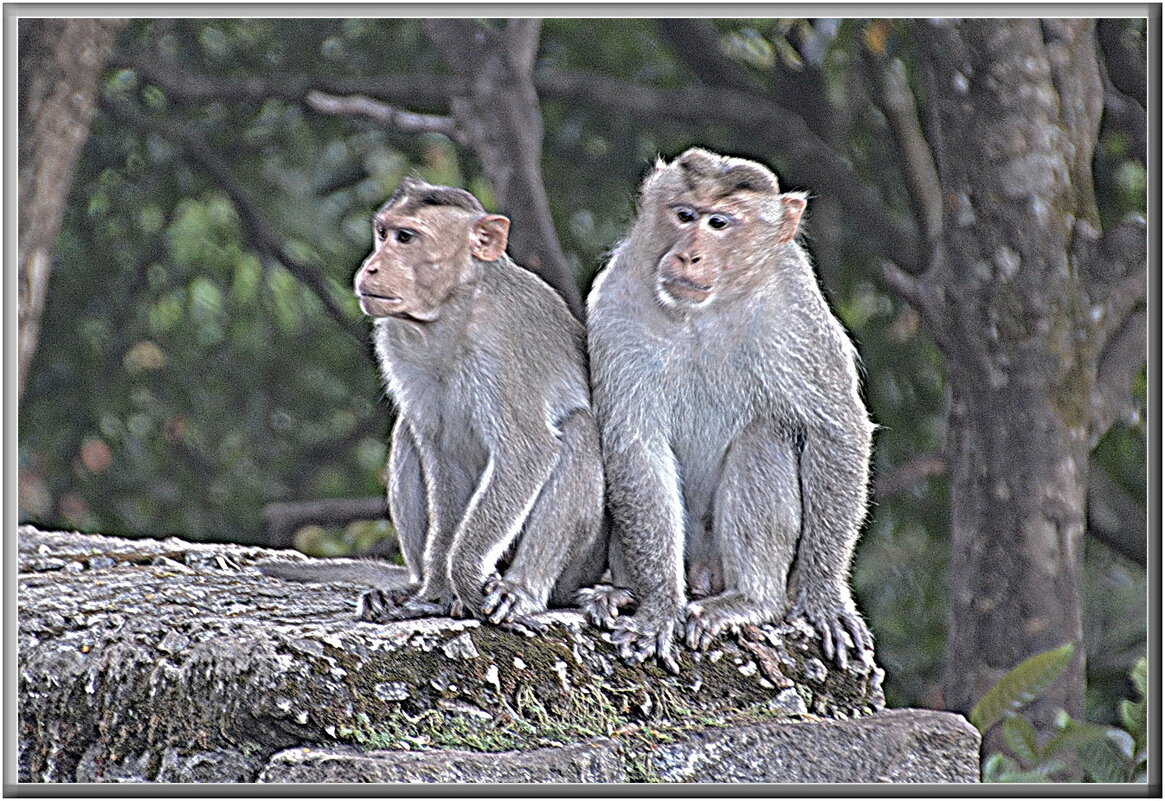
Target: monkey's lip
x,y
682,289
379,305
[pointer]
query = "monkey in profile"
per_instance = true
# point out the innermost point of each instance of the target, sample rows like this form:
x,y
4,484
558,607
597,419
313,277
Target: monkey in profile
x,y
495,480
735,440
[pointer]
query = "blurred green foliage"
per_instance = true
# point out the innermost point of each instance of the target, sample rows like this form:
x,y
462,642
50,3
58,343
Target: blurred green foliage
x,y
183,379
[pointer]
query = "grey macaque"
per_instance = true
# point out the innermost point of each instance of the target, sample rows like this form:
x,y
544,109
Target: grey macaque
x,y
735,440
495,482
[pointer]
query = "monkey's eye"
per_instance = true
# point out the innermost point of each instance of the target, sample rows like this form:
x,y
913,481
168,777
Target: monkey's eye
x,y
685,215
718,222
381,233
404,235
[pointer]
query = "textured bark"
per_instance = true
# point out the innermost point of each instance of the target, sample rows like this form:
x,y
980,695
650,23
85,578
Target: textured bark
x,y
60,67
1016,111
498,114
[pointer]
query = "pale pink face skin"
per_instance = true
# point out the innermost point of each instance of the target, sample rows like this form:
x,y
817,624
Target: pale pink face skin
x,y
419,258
710,237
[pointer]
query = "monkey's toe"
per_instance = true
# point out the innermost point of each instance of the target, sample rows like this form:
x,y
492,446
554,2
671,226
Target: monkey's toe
x,y
841,631
509,606
375,606
700,632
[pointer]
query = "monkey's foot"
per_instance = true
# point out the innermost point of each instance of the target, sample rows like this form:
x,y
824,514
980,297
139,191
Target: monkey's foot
x,y
840,628
637,641
710,617
508,606
377,606
380,606
603,603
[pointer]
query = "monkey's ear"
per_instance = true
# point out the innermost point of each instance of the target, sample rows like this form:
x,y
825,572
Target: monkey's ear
x,y
792,207
489,237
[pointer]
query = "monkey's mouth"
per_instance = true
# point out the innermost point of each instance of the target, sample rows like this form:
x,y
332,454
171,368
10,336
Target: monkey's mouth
x,y
681,289
376,305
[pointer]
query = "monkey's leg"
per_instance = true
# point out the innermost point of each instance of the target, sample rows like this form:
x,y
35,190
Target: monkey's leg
x,y
410,519
643,494
757,519
497,513
561,545
834,476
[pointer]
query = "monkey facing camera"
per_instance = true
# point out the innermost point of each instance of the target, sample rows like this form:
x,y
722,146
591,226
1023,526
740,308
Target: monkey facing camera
x,y
495,483
735,440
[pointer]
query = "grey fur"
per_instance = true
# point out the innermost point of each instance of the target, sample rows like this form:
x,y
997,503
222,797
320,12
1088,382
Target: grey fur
x,y
734,437
495,448
495,478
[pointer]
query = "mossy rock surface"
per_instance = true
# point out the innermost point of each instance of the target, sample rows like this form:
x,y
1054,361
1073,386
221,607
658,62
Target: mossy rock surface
x,y
164,660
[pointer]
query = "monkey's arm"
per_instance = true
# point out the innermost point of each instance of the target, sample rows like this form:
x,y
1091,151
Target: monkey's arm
x,y
643,497
410,519
509,486
406,498
834,470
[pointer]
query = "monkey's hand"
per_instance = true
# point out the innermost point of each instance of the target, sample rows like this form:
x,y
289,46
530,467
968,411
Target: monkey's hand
x,y
839,625
640,637
603,603
508,606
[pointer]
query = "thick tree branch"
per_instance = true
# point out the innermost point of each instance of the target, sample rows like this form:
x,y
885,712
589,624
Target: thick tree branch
x,y
186,86
382,113
262,238
1114,517
500,117
60,67
697,44
1120,364
893,96
1125,65
522,38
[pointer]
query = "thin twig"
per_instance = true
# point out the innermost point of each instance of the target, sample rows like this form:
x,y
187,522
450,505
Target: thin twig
x,y
386,115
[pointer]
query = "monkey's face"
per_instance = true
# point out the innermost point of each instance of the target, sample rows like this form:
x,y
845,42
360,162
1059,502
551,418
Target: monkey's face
x,y
717,222
420,258
703,236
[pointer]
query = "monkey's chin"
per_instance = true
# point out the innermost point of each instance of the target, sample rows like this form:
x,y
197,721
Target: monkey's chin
x,y
673,293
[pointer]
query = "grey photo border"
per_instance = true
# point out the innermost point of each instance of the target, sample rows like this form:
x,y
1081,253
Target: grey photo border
x,y
15,11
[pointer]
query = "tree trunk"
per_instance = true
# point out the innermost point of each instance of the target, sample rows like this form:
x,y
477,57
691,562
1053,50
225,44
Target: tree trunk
x,y
1016,109
501,119
60,68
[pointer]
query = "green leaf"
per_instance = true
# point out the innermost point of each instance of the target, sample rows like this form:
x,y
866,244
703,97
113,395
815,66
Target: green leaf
x,y
1022,684
1020,737
1133,719
1139,677
1102,761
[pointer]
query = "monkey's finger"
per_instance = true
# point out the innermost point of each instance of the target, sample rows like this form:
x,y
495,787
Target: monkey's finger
x,y
826,641
862,638
501,611
840,638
